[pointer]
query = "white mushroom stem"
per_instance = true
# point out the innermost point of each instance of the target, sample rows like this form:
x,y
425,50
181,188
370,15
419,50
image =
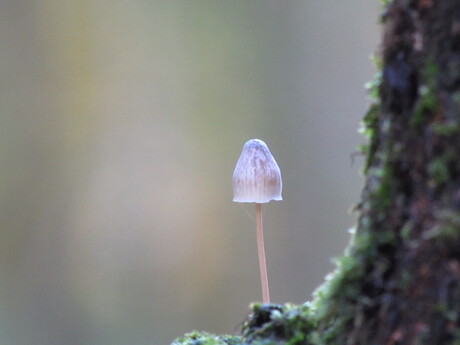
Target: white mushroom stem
x,y
261,252
257,179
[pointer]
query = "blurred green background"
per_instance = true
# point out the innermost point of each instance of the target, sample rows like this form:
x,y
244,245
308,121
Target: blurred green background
x,y
121,122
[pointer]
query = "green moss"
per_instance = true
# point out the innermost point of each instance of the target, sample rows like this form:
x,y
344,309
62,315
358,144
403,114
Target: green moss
x,y
370,124
425,104
438,170
370,120
331,311
368,128
427,99
373,86
380,185
431,71
203,338
456,96
278,324
447,228
377,61
334,303
406,230
445,128
405,280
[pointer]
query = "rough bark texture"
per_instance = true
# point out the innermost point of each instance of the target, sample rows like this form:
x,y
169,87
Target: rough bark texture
x,y
399,281
412,196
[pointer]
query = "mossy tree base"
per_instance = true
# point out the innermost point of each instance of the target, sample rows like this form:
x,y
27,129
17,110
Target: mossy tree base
x,y
399,280
267,324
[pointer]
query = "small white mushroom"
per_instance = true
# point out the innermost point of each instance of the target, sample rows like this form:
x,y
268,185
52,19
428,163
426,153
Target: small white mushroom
x,y
257,179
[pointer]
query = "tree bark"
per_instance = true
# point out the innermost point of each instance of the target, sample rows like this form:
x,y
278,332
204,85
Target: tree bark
x,y
399,280
409,291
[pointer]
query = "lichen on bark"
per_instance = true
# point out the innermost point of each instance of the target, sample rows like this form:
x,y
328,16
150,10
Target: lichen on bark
x,y
399,280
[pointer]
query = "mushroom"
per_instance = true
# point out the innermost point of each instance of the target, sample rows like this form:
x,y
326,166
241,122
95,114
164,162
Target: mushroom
x,y
257,179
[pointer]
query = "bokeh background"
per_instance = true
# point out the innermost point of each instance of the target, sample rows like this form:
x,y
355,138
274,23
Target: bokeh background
x,y
121,122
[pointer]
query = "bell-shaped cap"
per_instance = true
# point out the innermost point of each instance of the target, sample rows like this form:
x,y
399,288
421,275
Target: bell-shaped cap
x,y
257,177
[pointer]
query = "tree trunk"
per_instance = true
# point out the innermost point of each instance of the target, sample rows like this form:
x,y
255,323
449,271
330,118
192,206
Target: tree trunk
x,y
409,288
399,281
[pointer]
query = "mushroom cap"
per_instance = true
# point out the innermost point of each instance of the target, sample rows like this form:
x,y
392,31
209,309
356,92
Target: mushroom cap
x,y
257,177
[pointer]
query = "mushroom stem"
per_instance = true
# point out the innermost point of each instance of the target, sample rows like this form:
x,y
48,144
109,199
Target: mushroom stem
x,y
261,252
